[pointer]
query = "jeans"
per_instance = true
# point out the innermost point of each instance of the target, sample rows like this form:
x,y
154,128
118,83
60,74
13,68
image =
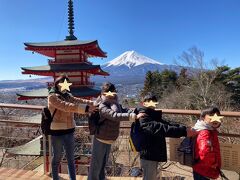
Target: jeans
x,y
100,154
197,176
149,169
65,141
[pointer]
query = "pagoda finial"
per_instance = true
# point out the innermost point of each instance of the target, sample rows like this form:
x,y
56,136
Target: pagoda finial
x,y
70,21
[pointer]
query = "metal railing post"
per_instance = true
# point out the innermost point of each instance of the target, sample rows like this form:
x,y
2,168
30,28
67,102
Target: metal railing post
x,y
44,154
160,173
50,153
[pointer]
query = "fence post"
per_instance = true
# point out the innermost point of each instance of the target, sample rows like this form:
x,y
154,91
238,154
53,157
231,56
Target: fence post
x,y
44,154
160,173
50,152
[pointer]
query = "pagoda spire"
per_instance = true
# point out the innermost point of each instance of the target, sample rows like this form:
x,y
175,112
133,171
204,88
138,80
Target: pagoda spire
x,y
70,21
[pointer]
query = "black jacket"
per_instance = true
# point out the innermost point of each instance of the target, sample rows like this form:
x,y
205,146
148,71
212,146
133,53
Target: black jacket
x,y
156,129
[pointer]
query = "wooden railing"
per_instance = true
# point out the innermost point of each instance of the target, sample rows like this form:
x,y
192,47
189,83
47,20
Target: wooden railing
x,y
164,111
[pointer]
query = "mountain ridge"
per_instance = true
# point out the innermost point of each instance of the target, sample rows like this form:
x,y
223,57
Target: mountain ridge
x,y
131,67
131,59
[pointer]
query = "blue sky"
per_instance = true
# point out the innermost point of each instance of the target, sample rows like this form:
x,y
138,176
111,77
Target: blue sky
x,y
159,29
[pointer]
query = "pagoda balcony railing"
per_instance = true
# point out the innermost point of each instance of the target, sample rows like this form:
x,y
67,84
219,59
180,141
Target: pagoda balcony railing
x,y
23,127
67,61
50,84
75,84
51,61
80,84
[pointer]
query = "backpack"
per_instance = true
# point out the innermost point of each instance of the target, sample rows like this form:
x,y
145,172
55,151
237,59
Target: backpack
x,y
94,122
137,138
185,151
46,120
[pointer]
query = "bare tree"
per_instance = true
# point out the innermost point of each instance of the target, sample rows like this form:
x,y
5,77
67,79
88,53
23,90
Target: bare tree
x,y
202,91
114,155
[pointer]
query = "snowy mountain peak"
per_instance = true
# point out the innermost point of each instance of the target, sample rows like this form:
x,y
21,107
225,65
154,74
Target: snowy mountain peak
x,y
131,59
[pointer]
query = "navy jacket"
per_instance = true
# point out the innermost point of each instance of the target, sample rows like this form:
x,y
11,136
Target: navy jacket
x,y
156,129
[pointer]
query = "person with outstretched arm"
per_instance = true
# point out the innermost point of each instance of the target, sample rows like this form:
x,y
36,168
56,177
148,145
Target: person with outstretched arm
x,y
111,114
63,105
154,131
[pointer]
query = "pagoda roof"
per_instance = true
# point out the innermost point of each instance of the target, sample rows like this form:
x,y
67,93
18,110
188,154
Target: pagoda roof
x,y
60,43
49,70
48,48
43,93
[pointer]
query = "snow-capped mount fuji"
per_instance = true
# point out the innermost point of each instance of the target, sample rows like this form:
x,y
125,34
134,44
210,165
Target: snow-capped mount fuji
x,y
131,68
131,59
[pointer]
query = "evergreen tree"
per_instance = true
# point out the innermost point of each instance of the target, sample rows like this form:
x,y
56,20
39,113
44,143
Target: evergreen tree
x,y
230,78
147,83
183,80
159,83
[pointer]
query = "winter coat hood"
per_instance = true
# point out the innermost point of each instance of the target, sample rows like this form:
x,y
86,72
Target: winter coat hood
x,y
98,101
65,95
147,110
104,99
110,100
201,125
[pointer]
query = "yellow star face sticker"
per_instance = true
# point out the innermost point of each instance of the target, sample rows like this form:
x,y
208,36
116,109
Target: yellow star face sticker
x,y
65,85
109,93
215,117
150,104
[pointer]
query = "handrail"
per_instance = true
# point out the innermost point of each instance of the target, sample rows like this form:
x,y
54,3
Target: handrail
x,y
197,112
21,106
165,111
127,127
19,122
229,135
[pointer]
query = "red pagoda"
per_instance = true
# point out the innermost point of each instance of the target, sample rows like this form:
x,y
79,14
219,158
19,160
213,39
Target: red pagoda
x,y
69,57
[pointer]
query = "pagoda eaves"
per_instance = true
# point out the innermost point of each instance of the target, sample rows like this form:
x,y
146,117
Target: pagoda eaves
x,y
50,70
91,48
43,93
